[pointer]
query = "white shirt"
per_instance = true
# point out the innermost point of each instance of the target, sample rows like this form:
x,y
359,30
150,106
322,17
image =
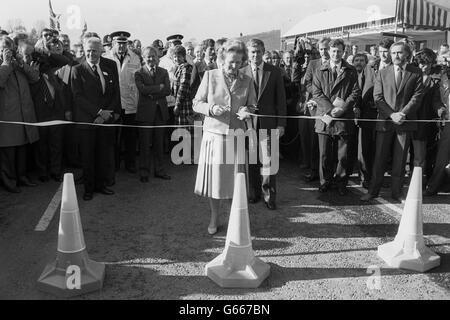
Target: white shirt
x,y
260,71
337,65
396,71
99,71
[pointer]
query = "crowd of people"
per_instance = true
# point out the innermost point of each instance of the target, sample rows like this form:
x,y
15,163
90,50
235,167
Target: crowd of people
x,y
115,80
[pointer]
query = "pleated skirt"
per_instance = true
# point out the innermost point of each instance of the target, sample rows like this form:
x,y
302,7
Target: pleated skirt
x,y
217,167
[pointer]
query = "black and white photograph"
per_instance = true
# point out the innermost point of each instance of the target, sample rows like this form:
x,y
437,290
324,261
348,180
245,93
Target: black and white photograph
x,y
224,155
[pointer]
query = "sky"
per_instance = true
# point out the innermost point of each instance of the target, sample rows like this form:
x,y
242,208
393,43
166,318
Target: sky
x,y
195,19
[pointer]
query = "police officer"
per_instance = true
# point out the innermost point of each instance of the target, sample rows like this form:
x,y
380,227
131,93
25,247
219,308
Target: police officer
x,y
127,64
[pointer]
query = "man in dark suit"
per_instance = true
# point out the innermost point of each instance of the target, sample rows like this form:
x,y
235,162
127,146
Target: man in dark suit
x,y
154,86
398,93
96,93
336,91
269,86
367,135
313,66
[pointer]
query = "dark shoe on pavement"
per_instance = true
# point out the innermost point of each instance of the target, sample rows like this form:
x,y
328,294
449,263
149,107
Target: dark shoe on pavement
x,y
397,198
367,197
12,189
56,177
163,176
88,196
270,205
342,190
106,191
310,177
144,179
25,182
429,193
132,170
253,200
324,188
44,179
365,184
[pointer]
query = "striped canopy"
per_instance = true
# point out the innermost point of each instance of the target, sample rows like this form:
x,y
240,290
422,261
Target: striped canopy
x,y
423,14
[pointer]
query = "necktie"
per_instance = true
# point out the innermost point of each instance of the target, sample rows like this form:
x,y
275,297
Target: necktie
x,y
152,72
257,81
94,69
363,81
398,81
334,73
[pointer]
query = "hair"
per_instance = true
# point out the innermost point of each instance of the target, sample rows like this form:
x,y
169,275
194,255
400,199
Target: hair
x,y
268,54
47,30
337,42
199,47
405,46
354,45
426,56
444,45
9,42
179,50
63,35
220,42
360,54
209,43
276,53
94,40
91,35
150,48
324,40
385,43
232,46
256,43
77,45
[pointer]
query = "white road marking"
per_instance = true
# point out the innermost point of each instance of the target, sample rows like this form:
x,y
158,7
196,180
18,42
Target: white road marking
x,y
50,211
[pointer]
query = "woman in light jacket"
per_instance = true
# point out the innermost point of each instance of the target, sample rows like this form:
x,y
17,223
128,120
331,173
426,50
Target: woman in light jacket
x,y
223,94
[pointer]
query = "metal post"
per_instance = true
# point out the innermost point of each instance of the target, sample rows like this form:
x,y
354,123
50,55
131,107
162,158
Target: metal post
x,y
396,18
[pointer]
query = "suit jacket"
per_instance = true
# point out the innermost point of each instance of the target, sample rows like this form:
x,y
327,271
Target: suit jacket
x,y
87,91
150,94
313,66
366,103
198,71
272,96
214,90
325,92
444,89
389,100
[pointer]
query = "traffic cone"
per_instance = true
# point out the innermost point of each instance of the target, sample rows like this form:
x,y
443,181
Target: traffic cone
x,y
408,250
237,266
72,273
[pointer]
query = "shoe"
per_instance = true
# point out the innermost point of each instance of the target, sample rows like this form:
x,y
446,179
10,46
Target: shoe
x,y
163,176
270,205
25,182
106,191
212,230
12,189
44,179
365,184
144,179
324,188
254,200
342,190
429,193
397,198
367,197
88,196
132,170
56,177
310,177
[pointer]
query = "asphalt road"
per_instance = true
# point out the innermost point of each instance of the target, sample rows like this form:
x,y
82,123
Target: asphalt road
x,y
154,240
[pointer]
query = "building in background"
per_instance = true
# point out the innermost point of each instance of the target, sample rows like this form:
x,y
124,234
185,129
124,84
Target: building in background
x,y
426,22
271,39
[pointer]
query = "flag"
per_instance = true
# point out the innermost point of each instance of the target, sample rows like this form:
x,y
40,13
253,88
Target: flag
x,y
54,18
422,14
84,29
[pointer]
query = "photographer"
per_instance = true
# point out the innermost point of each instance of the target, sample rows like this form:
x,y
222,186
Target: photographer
x,y
16,104
50,104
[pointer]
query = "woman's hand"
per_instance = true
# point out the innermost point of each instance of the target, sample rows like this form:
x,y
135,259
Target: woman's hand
x,y
217,110
244,113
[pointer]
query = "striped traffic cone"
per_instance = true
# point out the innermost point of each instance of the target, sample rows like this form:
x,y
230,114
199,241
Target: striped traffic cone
x,y
72,273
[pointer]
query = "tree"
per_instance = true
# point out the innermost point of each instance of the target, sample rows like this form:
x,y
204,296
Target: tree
x,y
15,25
